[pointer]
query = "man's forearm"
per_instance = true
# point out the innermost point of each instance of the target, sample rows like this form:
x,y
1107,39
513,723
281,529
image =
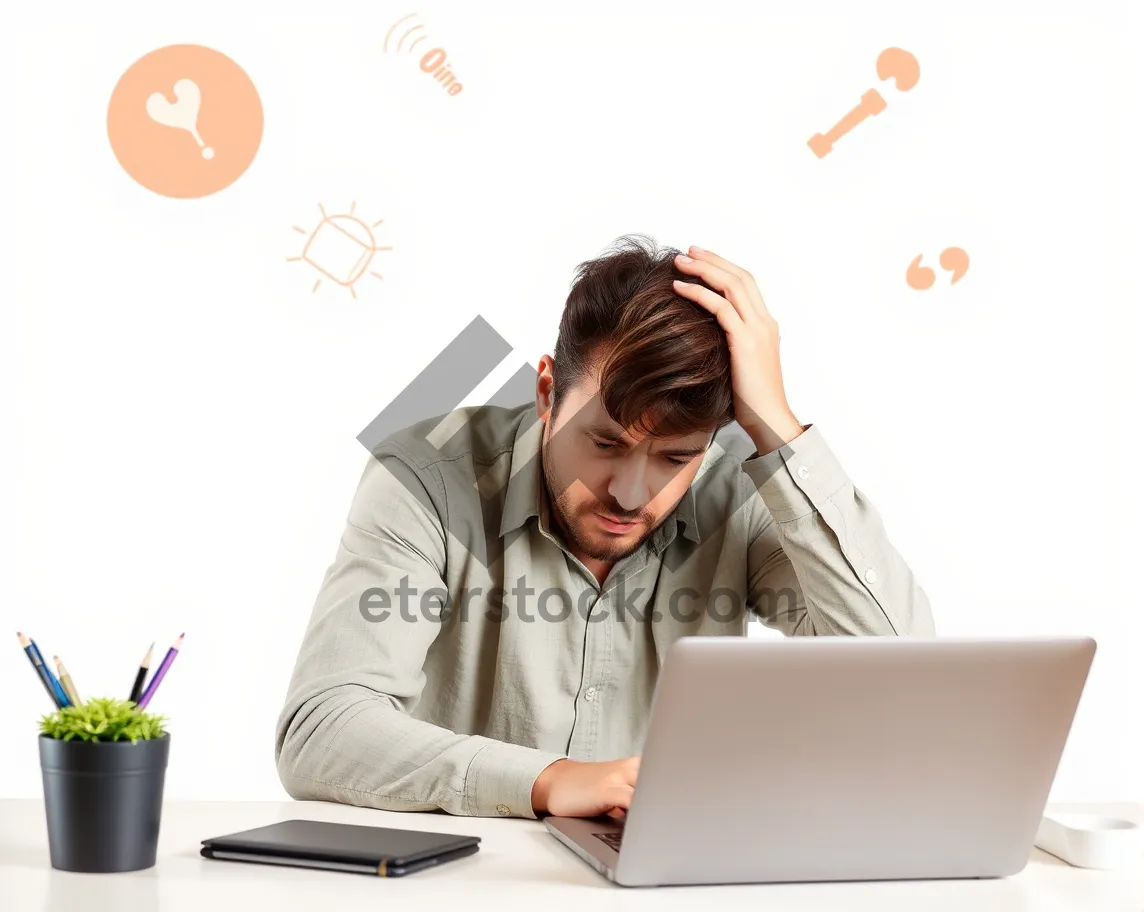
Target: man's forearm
x,y
770,434
853,580
351,745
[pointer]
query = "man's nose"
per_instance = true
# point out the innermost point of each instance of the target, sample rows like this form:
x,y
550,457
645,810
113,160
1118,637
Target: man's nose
x,y
628,486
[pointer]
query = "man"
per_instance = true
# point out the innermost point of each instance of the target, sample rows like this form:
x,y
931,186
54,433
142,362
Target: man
x,y
554,551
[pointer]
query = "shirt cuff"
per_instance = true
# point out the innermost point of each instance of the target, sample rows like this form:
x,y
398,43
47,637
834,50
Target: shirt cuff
x,y
796,476
500,779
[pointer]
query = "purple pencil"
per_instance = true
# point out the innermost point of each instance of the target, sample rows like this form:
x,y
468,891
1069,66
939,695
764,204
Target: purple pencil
x,y
157,677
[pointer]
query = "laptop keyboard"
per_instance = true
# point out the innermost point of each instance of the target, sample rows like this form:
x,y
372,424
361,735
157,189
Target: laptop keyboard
x,y
612,839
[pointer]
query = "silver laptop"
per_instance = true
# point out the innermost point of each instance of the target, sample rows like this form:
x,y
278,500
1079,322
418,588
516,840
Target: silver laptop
x,y
842,758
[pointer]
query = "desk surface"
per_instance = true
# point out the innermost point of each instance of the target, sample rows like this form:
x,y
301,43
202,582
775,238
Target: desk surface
x,y
519,866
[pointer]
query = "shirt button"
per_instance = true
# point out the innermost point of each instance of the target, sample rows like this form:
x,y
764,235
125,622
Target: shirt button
x,y
590,694
503,810
803,471
871,576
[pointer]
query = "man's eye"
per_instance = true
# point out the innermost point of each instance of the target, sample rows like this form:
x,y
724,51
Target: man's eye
x,y
676,460
600,445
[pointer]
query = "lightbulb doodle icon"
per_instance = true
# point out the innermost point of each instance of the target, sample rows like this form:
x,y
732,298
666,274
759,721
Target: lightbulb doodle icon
x,y
893,63
340,247
185,121
183,114
952,259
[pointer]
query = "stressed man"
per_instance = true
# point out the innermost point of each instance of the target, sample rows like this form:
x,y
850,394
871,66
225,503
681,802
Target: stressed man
x,y
488,637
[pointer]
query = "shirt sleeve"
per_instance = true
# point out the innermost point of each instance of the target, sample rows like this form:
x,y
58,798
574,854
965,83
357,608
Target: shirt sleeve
x,y
819,559
345,733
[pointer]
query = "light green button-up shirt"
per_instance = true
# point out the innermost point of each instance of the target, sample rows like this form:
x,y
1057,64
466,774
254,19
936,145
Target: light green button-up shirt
x,y
395,703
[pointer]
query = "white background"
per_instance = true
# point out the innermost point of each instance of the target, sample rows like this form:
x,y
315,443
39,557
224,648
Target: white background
x,y
180,411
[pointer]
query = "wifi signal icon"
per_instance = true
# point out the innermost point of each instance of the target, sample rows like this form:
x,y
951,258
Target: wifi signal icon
x,y
404,36
404,29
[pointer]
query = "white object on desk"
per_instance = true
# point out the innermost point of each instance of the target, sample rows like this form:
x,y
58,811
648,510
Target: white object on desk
x,y
1092,841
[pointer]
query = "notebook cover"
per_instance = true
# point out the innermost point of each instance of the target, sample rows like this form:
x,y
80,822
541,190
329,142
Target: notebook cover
x,y
319,839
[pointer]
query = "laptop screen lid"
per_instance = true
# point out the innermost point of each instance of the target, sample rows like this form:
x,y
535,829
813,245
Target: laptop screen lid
x,y
843,758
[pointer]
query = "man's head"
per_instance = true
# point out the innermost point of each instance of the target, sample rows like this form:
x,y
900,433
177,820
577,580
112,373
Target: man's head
x,y
638,385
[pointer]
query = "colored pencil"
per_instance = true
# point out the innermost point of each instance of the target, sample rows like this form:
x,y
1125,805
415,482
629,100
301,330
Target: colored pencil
x,y
67,684
41,672
61,694
141,676
157,677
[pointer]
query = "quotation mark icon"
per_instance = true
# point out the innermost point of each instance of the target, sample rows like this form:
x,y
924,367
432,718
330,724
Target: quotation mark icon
x,y
952,259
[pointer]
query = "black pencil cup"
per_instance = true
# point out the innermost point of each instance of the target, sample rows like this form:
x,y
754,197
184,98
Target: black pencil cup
x,y
103,801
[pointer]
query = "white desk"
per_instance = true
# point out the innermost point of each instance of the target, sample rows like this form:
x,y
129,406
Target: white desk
x,y
519,866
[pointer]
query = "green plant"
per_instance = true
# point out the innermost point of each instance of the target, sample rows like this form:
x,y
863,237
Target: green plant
x,y
103,719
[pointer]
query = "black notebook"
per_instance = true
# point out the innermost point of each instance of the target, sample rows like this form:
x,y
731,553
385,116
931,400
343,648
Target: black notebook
x,y
380,851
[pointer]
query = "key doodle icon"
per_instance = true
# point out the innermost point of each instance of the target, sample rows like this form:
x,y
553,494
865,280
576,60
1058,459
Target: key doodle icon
x,y
893,63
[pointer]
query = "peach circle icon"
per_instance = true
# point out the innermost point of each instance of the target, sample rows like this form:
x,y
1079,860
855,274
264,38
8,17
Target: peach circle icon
x,y
185,121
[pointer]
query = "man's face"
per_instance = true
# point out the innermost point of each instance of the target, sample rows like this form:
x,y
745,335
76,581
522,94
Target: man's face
x,y
610,488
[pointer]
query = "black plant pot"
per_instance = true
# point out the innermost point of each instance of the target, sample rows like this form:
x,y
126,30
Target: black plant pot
x,y
103,802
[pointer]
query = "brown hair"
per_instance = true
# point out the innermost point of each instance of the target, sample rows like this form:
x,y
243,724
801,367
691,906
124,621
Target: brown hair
x,y
665,368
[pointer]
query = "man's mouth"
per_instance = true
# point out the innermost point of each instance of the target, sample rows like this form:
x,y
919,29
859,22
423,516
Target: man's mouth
x,y
618,526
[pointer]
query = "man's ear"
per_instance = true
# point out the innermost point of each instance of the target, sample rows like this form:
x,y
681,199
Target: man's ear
x,y
545,388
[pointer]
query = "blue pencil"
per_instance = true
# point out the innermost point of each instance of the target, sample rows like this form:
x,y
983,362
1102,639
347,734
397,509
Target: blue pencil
x,y
41,669
61,694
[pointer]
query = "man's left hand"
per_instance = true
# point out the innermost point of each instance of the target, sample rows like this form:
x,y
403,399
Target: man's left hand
x,y
761,407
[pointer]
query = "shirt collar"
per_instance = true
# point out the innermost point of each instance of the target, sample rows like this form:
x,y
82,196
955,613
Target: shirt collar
x,y
523,495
